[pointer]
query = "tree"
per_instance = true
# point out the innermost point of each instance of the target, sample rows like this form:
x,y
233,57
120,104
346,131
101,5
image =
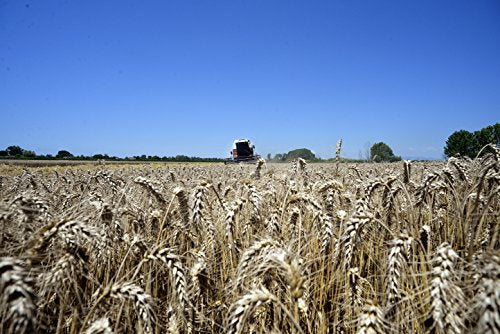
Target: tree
x,y
100,156
485,136
278,157
63,154
268,157
14,151
303,153
4,153
461,143
29,154
382,152
470,144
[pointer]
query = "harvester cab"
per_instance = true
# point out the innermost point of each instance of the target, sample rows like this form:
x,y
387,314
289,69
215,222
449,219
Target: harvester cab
x,y
243,151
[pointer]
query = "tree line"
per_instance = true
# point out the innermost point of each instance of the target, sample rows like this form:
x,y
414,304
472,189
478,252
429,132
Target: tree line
x,y
471,144
17,152
459,143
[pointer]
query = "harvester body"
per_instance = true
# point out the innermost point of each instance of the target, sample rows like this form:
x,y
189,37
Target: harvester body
x,y
243,151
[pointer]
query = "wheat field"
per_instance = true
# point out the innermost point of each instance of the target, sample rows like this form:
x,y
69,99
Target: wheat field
x,y
404,247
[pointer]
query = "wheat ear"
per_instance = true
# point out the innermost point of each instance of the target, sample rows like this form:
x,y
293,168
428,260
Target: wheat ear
x,y
17,304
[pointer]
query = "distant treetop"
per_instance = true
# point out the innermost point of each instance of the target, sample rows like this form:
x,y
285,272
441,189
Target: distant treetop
x,y
63,154
303,153
470,144
381,152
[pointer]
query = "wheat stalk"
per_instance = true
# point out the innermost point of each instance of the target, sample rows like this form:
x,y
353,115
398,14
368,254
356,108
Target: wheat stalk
x,y
338,147
17,304
178,275
152,187
398,257
142,302
370,321
446,298
488,300
100,326
182,199
253,254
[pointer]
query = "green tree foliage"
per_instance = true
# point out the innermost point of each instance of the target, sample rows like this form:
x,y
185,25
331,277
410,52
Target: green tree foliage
x,y
14,151
100,156
279,157
62,154
29,154
382,152
303,153
485,136
460,143
465,143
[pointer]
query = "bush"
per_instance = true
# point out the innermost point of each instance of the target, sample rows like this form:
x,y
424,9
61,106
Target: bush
x,y
381,152
63,154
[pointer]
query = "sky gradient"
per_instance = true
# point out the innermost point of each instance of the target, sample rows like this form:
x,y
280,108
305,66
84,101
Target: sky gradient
x,y
188,77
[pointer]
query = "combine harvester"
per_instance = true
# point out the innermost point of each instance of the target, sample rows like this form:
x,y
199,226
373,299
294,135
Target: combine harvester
x,y
243,151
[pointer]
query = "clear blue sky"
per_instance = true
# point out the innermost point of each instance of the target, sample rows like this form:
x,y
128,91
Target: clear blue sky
x,y
189,77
